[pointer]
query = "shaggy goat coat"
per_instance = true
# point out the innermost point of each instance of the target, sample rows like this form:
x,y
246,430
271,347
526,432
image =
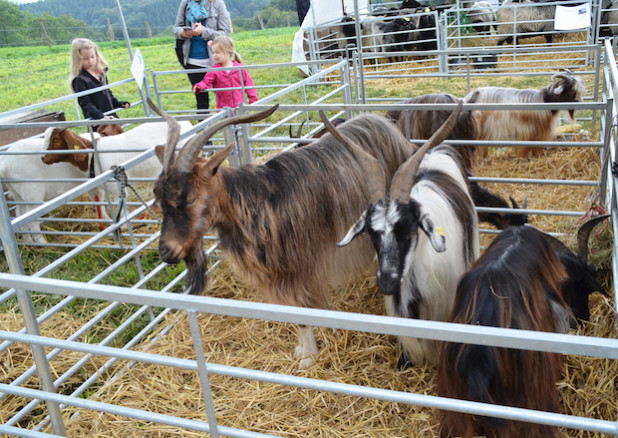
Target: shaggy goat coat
x,y
515,284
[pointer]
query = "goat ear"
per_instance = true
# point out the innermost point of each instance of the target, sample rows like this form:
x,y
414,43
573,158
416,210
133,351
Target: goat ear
x,y
160,152
215,161
435,234
357,229
73,141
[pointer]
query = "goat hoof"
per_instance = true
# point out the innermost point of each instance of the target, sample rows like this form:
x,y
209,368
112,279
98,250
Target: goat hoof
x,y
305,363
404,362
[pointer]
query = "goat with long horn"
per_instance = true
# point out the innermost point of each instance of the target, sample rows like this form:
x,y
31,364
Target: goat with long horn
x,y
278,222
425,233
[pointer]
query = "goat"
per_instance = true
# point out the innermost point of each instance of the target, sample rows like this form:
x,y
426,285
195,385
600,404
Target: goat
x,y
519,282
109,152
609,18
528,18
425,36
582,277
482,17
31,167
429,202
277,222
421,124
524,125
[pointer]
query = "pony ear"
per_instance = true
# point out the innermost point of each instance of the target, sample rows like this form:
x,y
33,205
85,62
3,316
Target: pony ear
x,y
355,230
435,234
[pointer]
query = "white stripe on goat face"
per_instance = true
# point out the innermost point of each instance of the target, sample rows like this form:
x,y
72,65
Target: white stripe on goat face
x,y
391,246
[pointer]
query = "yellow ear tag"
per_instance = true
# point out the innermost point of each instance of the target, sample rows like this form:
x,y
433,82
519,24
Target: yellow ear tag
x,y
427,10
76,147
440,231
406,18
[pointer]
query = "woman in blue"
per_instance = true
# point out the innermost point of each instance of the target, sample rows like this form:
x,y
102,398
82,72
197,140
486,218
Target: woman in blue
x,y
197,22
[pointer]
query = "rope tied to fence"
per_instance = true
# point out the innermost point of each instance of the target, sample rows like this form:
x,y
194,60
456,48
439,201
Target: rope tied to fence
x,y
120,175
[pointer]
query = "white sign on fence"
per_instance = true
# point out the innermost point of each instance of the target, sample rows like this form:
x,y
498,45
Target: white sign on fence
x,y
572,17
137,68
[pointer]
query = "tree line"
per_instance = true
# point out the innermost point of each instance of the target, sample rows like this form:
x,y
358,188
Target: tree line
x,y
59,21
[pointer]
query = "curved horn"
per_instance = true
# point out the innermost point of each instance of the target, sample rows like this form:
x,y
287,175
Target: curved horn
x,y
583,235
566,74
406,174
190,151
173,134
376,177
298,132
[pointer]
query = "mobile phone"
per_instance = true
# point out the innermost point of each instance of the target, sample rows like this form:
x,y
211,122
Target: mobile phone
x,y
186,28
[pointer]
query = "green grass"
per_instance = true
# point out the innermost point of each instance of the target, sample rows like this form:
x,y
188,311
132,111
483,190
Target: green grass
x,y
30,75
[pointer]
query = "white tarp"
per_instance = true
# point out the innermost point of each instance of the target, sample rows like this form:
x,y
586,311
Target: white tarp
x,y
320,12
572,17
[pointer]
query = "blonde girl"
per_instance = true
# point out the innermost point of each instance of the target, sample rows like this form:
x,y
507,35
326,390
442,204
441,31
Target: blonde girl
x,y
88,71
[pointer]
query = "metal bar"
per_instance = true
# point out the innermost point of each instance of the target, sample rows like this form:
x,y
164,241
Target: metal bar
x,y
202,369
29,316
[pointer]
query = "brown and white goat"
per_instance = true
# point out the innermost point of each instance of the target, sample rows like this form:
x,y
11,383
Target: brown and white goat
x,y
425,234
278,222
519,282
524,125
421,124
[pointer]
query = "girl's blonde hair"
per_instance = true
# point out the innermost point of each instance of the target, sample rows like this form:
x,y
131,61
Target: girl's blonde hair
x,y
77,46
226,44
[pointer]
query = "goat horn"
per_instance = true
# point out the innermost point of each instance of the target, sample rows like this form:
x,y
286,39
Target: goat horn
x,y
190,151
298,132
583,235
403,180
567,75
377,179
173,134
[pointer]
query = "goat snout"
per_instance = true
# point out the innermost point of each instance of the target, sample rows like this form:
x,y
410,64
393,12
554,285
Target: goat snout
x,y
170,254
388,281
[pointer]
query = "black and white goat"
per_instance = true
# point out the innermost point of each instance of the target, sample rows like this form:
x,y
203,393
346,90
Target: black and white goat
x,y
278,222
524,125
425,234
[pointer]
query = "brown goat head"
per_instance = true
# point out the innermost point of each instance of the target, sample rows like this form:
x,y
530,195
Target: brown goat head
x,y
64,140
567,87
188,191
109,130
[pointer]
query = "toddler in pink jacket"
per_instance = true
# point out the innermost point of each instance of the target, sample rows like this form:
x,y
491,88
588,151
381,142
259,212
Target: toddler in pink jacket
x,y
224,55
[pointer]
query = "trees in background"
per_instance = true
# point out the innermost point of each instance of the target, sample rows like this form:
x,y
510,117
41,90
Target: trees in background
x,y
161,14
23,28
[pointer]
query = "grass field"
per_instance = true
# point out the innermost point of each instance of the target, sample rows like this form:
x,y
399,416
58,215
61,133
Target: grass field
x,y
30,75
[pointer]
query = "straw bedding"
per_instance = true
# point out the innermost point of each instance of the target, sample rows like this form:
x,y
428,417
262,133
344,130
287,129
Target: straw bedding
x,y
588,388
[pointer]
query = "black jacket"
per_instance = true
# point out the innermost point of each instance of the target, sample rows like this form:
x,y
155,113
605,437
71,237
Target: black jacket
x,y
94,105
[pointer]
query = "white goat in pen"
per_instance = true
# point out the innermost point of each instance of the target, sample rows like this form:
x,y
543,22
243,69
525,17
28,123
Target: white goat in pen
x,y
27,194
109,151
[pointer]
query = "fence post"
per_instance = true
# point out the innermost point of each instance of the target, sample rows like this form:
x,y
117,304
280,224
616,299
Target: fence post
x,y
29,316
148,30
45,33
110,29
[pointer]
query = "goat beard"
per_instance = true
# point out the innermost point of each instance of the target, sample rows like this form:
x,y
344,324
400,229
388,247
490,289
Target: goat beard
x,y
196,265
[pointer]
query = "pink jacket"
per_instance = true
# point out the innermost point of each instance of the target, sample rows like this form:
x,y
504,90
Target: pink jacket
x,y
228,79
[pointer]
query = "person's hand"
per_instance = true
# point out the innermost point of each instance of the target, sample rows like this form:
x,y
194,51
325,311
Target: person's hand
x,y
197,88
126,105
197,29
